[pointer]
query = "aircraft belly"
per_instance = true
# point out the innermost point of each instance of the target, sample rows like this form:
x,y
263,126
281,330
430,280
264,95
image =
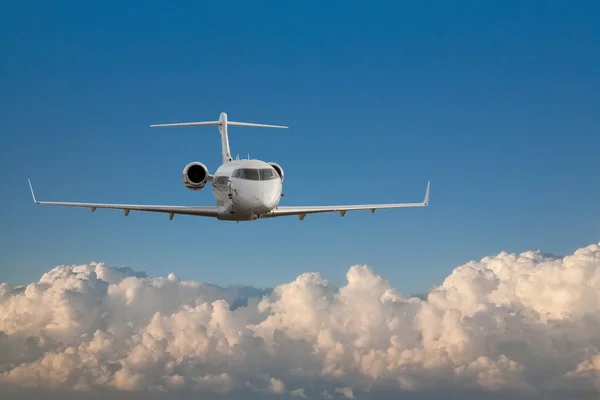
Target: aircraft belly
x,y
227,210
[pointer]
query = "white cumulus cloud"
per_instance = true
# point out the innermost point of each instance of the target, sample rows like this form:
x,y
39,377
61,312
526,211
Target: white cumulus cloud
x,y
511,324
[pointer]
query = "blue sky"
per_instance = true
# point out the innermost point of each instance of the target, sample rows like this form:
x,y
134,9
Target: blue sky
x,y
496,103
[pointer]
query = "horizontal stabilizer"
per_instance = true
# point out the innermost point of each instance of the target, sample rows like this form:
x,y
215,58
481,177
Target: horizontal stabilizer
x,y
233,123
222,123
219,123
207,123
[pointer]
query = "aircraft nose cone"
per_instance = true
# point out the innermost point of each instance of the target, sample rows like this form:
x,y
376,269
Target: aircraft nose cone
x,y
262,204
270,200
257,198
254,204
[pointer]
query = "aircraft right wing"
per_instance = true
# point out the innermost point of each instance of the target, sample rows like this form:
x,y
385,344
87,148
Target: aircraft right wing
x,y
202,211
301,211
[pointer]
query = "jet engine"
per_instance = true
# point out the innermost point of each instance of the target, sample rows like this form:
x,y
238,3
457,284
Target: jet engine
x,y
195,176
278,169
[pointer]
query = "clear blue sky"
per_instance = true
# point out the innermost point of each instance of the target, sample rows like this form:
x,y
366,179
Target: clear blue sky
x,y
496,102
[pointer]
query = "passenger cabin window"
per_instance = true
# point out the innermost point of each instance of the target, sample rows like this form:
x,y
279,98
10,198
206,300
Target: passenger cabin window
x,y
265,174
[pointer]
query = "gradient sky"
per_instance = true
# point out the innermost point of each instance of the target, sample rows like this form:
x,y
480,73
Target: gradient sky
x,y
496,103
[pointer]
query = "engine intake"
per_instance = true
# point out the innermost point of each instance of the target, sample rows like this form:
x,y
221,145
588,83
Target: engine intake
x,y
278,169
195,176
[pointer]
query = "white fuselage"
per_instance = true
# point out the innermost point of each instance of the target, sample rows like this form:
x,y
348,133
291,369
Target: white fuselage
x,y
246,189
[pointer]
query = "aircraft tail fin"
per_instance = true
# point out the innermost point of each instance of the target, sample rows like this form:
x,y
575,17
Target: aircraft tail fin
x,y
222,123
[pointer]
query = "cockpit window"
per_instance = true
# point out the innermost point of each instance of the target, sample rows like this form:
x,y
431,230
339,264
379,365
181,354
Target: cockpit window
x,y
265,174
250,174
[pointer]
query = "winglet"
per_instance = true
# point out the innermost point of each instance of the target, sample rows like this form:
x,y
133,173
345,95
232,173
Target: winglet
x,y
32,194
426,201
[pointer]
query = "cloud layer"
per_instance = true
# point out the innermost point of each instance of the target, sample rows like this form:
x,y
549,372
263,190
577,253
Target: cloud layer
x,y
526,324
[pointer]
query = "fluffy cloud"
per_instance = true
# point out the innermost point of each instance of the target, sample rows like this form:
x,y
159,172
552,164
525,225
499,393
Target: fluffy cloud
x,y
526,324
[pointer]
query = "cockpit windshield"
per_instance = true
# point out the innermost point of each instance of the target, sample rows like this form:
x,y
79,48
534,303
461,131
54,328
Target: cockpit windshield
x,y
267,174
263,174
249,174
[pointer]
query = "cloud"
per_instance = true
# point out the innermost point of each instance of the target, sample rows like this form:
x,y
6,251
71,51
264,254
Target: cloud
x,y
511,324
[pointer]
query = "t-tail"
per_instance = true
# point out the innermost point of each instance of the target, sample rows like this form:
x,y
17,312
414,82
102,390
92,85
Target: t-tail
x,y
222,123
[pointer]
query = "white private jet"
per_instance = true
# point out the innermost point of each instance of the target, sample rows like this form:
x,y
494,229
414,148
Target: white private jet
x,y
245,190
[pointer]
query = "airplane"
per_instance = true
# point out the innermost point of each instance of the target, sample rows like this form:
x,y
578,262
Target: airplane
x,y
244,190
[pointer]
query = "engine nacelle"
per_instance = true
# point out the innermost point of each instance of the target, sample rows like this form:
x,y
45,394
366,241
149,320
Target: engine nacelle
x,y
195,176
278,169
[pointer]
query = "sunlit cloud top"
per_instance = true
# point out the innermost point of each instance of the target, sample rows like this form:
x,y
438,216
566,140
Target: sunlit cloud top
x,y
510,323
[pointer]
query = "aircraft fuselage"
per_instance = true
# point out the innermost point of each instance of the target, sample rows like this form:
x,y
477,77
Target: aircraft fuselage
x,y
246,189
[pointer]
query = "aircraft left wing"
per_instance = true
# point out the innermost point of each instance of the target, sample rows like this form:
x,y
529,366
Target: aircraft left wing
x,y
301,211
202,211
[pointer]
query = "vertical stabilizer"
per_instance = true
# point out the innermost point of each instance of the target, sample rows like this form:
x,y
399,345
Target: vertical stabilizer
x,y
225,152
